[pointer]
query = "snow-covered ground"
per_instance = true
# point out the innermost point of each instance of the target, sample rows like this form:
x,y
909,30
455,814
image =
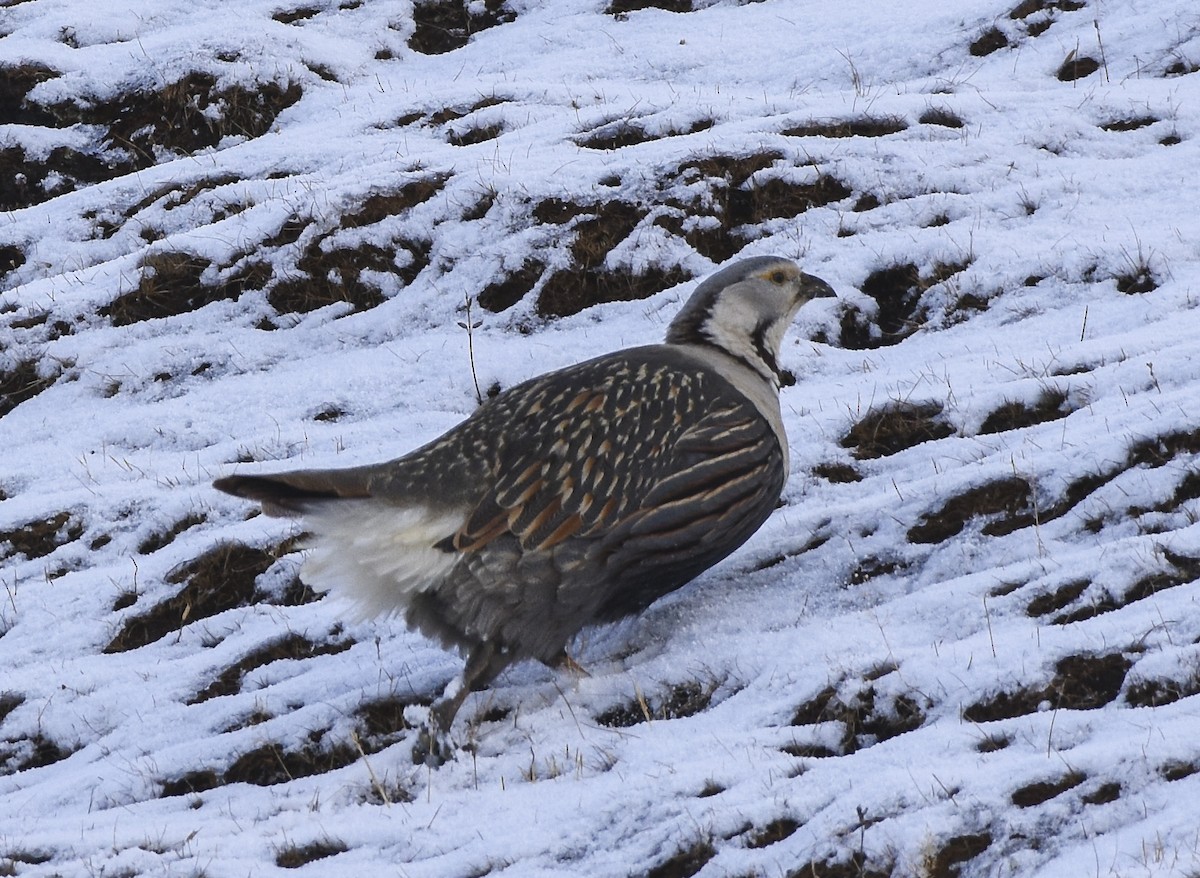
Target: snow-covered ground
x,y
240,237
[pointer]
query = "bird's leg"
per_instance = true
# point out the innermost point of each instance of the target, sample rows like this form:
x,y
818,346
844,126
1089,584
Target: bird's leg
x,y
484,664
564,662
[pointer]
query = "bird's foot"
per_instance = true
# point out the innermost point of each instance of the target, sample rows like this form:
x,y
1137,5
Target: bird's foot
x,y
433,747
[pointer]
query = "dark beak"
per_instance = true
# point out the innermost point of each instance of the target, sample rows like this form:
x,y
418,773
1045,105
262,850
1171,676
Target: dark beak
x,y
816,288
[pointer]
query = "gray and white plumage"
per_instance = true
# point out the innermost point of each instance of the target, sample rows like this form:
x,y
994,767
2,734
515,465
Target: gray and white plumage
x,y
576,497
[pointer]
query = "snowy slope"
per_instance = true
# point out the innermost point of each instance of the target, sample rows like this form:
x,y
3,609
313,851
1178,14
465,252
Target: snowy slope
x,y
239,237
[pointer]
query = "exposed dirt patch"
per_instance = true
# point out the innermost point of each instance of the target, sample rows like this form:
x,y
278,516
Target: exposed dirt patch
x,y
1085,682
37,539
270,764
1043,791
1183,570
383,720
1129,123
295,594
25,181
941,116
625,132
897,291
729,169
26,857
445,25
220,579
814,542
329,271
597,229
295,856
685,862
1026,8
1005,705
192,782
1048,406
857,866
680,700
28,752
191,114
1029,18
1051,602
1076,67
9,701
210,208
1178,770
1159,450
473,134
778,199
382,205
328,414
724,199
156,541
623,7
872,567
1006,503
135,130
12,257
864,720
1003,589
16,81
291,16
171,284
1080,682
507,291
1107,792
1157,692
895,427
993,743
25,379
838,473
570,291
1138,278
292,646
776,830
809,751
863,126
947,860
991,40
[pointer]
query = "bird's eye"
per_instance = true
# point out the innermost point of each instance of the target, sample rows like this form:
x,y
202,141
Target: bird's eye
x,y
778,277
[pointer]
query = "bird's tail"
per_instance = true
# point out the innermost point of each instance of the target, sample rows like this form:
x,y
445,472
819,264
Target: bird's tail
x,y
298,492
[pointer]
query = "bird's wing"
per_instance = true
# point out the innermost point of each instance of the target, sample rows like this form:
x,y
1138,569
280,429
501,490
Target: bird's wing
x,y
727,478
597,449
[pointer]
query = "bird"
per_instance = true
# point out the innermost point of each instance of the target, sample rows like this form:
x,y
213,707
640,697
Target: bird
x,y
577,497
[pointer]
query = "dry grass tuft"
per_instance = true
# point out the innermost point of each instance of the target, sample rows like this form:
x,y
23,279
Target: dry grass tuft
x,y
1006,503
445,25
37,539
1080,682
862,126
295,856
686,861
220,579
895,427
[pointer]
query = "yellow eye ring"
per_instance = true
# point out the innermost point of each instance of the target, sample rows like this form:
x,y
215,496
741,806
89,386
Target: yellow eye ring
x,y
778,277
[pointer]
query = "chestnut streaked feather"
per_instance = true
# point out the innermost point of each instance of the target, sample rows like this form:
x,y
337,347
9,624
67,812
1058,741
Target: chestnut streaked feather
x,y
579,496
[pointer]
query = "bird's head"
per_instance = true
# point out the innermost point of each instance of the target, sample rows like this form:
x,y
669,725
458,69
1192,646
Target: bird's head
x,y
744,310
